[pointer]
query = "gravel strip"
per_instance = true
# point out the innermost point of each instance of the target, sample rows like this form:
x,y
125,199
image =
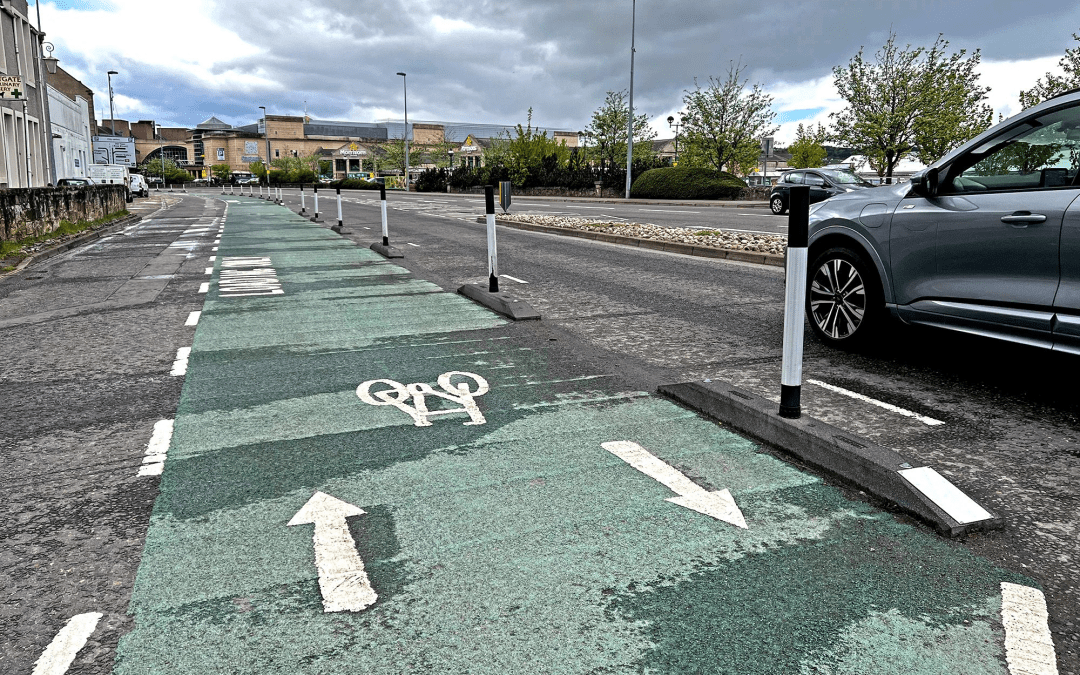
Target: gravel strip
x,y
733,241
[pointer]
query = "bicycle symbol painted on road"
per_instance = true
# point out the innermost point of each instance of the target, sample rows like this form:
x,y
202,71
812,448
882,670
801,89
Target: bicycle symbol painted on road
x,y
399,394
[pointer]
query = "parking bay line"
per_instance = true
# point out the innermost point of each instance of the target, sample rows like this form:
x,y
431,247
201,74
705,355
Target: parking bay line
x,y
1029,647
507,276
929,421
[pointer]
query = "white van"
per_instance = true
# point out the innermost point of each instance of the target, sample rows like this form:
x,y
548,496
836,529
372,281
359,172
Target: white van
x,y
110,174
138,186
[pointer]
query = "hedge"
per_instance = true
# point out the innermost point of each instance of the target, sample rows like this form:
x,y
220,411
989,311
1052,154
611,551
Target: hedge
x,y
684,183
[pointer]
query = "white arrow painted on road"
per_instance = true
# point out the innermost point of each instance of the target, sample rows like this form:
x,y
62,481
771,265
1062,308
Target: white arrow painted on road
x,y
342,580
720,505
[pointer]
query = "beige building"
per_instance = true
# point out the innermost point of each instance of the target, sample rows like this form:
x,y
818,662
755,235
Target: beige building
x,y
351,147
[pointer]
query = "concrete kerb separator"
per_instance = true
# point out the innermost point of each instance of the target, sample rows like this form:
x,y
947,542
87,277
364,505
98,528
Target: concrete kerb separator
x,y
668,246
874,469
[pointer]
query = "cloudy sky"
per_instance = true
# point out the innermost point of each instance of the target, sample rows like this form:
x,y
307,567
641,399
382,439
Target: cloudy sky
x,y
488,62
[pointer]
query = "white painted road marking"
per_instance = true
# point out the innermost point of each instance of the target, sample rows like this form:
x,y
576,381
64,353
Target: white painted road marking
x,y
1029,648
507,276
399,393
158,449
720,505
412,244
213,258
948,497
193,319
246,276
204,287
668,211
57,657
179,366
209,270
929,421
342,580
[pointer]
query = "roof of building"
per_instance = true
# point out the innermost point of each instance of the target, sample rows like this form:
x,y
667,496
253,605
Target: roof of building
x,y
213,123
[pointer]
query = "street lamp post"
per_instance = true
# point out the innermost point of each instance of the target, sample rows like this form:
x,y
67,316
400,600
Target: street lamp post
x,y
266,134
112,116
50,68
630,116
672,124
405,91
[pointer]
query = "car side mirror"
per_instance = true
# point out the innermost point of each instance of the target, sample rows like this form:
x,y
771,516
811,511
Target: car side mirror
x,y
926,184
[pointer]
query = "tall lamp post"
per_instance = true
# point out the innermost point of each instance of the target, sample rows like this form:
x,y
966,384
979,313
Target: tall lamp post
x,y
672,124
630,116
266,134
50,67
405,90
112,116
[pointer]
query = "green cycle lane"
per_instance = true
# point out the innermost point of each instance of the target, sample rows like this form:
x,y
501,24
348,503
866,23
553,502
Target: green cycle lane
x,y
501,538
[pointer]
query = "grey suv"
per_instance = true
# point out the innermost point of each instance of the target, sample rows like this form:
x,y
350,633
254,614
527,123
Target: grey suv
x,y
985,241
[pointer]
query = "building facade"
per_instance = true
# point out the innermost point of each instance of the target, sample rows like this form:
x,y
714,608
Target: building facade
x,y
71,124
25,140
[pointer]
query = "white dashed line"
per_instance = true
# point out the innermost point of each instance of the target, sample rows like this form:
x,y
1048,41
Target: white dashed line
x,y
158,449
412,244
179,366
1029,648
213,258
507,276
193,319
204,287
929,421
209,270
668,211
214,249
57,657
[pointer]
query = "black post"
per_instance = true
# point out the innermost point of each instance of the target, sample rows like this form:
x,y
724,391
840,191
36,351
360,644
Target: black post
x,y
798,237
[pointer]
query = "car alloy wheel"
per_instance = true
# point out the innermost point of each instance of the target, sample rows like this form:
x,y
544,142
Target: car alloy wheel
x,y
777,205
838,299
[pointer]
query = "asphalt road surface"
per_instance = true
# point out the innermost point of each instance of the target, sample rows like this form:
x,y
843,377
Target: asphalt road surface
x,y
495,537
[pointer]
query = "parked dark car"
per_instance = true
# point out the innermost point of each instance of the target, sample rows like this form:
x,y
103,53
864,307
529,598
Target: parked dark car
x,y
824,183
74,182
984,241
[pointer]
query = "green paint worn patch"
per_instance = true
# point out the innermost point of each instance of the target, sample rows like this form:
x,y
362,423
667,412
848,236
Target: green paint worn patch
x,y
804,608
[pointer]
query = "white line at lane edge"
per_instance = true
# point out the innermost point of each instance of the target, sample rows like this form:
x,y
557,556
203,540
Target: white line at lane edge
x,y
193,319
507,276
1029,647
57,657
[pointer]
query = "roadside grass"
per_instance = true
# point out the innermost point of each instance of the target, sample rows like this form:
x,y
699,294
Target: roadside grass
x,y
16,250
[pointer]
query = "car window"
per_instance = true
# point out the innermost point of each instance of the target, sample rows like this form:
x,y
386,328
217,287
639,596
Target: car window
x,y
794,177
1043,154
843,177
814,179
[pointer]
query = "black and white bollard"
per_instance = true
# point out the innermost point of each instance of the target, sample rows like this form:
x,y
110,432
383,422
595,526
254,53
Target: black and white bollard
x,y
340,227
315,192
493,249
303,204
384,248
491,297
260,190
795,301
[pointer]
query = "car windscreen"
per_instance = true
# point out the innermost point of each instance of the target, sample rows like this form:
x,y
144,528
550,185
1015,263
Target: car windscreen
x,y
845,178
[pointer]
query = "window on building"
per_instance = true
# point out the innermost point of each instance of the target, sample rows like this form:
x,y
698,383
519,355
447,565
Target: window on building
x,y
339,165
3,52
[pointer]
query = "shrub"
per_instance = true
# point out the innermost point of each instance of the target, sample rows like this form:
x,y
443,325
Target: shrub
x,y
355,184
432,180
685,183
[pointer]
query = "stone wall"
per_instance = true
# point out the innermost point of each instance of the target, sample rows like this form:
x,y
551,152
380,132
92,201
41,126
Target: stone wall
x,y
37,211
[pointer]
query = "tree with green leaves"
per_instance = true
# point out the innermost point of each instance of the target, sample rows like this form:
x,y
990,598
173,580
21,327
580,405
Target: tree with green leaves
x,y
259,169
1053,84
222,172
911,101
173,173
808,150
724,123
606,133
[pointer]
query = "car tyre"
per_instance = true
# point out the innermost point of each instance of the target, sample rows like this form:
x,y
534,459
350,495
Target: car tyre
x,y
777,204
844,301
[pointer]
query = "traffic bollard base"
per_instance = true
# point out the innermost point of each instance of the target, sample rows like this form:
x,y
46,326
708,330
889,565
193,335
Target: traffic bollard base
x,y
386,251
504,304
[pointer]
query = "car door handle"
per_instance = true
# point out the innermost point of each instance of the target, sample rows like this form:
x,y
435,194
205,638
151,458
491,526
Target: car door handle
x,y
1023,218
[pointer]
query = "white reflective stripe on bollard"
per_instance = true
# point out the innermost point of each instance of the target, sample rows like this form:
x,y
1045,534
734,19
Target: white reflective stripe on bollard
x,y
493,251
385,228
793,317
